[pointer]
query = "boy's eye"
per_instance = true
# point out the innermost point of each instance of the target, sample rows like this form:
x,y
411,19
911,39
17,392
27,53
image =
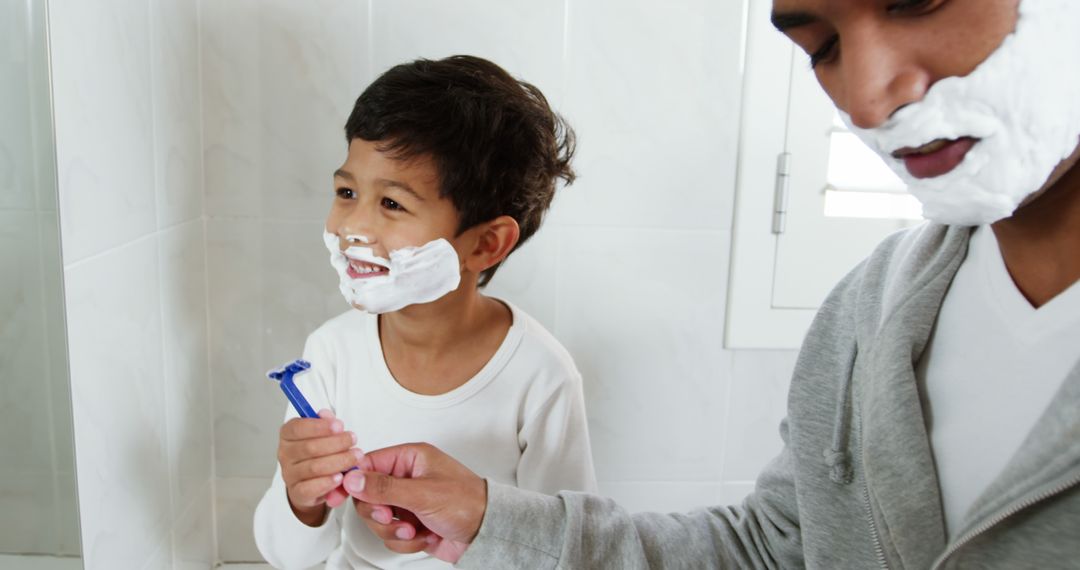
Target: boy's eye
x,y
345,193
392,205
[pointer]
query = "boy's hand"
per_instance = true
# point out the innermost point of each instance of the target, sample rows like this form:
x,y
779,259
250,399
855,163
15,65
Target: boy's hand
x,y
313,453
439,503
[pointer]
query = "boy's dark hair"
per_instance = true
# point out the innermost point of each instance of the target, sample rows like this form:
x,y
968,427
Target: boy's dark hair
x,y
498,147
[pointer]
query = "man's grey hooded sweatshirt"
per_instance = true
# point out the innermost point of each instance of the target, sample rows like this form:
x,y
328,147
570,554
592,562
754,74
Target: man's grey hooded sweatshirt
x,y
855,486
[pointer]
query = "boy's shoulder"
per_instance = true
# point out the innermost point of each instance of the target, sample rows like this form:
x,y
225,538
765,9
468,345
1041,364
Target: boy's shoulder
x,y
539,349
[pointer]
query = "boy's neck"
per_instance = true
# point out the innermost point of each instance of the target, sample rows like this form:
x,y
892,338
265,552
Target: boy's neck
x,y
1040,243
433,348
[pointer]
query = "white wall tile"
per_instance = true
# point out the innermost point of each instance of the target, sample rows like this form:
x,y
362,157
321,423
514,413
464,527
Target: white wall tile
x,y
662,496
232,100
642,313
314,64
177,112
161,559
104,129
240,390
653,91
759,387
280,80
114,325
528,277
186,366
237,498
193,533
522,36
300,291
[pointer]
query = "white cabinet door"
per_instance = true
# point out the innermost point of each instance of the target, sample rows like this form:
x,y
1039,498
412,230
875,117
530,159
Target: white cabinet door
x,y
811,201
815,250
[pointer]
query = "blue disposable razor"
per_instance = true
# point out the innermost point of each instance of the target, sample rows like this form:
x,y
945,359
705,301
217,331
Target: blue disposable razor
x,y
284,376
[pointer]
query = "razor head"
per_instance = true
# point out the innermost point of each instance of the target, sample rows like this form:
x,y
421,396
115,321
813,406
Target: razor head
x,y
288,370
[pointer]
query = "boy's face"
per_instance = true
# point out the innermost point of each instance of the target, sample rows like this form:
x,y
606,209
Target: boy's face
x,y
392,204
974,125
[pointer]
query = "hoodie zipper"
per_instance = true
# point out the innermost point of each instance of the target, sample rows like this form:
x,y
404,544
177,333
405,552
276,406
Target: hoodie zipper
x,y
878,549
1000,517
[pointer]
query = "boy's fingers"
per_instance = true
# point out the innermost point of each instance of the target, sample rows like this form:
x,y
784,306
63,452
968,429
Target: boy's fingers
x,y
327,465
311,491
298,451
336,497
298,429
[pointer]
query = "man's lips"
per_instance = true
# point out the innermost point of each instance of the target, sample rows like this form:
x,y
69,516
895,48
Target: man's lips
x,y
935,159
362,270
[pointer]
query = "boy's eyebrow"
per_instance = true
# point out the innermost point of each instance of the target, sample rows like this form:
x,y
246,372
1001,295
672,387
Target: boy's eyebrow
x,y
386,183
339,173
785,21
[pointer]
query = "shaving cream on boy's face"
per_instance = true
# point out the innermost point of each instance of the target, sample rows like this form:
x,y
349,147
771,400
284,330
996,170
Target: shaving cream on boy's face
x,y
1020,107
411,276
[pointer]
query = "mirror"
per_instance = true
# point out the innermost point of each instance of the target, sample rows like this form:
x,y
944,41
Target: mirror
x,y
39,527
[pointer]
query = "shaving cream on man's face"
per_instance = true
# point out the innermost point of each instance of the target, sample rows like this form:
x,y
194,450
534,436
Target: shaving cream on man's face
x,y
412,275
1020,107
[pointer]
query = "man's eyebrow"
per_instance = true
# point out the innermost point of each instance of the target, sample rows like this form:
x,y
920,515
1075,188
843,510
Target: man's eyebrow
x,y
785,21
386,183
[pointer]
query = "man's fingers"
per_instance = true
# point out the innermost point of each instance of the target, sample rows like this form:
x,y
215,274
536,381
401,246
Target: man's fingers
x,y
298,429
406,546
379,489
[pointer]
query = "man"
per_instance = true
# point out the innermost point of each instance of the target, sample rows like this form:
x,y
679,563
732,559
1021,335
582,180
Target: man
x,y
934,414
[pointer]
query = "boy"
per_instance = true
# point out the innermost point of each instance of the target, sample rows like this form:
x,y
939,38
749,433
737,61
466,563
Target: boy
x,y
933,413
451,165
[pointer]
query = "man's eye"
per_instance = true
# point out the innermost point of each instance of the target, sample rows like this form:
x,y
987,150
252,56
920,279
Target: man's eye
x,y
826,51
345,193
912,6
391,205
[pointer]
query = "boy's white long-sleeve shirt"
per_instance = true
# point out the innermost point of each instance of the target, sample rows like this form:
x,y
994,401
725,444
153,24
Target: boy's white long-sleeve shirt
x,y
519,421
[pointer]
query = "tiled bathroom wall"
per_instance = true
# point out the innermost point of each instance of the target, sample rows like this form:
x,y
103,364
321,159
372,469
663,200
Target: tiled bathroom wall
x,y
130,171
630,271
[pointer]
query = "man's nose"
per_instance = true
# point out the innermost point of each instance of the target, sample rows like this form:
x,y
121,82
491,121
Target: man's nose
x,y
879,77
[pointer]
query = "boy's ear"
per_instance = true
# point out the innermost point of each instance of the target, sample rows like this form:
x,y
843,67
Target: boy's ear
x,y
494,241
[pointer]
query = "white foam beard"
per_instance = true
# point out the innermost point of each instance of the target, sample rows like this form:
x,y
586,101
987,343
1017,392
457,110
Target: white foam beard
x,y
417,275
1022,103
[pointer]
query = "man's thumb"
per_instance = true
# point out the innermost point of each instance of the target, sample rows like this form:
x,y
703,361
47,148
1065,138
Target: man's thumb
x,y
379,489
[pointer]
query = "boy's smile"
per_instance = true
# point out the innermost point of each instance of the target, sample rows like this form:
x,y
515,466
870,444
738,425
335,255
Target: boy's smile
x,y
359,269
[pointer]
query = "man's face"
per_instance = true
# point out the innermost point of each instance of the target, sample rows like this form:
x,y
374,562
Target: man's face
x,y
975,118
875,56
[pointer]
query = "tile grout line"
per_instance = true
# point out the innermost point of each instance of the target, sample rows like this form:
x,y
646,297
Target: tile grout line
x,y
208,372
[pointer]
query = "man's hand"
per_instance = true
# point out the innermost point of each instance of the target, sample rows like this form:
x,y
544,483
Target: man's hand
x,y
415,497
313,453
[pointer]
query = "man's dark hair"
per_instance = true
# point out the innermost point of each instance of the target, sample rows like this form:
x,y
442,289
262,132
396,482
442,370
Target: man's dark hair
x,y
498,147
